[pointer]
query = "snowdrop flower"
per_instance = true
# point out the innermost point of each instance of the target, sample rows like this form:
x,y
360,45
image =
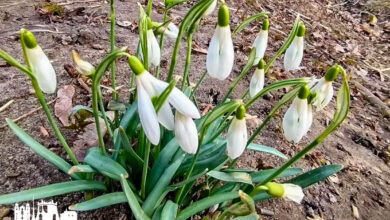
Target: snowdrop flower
x,y
186,133
82,66
149,87
237,134
298,118
220,56
324,88
261,41
154,54
211,8
286,190
257,81
294,53
172,31
39,63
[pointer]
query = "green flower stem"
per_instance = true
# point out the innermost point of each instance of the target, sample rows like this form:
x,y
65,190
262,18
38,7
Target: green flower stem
x,y
188,60
162,42
145,169
95,109
106,121
198,84
51,119
149,7
112,47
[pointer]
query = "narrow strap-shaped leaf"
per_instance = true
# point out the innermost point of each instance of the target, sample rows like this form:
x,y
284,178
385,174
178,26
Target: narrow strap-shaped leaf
x,y
81,169
41,150
266,149
247,21
161,163
264,174
151,201
13,62
237,177
126,142
104,164
316,175
205,203
52,190
100,202
139,214
169,211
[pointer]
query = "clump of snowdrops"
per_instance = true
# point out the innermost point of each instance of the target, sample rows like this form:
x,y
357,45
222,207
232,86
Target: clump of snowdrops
x,y
165,159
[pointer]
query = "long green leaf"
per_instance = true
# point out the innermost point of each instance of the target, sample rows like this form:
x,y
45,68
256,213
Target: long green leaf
x,y
151,201
104,164
13,62
100,202
237,177
169,211
264,174
52,190
42,151
81,169
316,175
205,203
266,149
139,214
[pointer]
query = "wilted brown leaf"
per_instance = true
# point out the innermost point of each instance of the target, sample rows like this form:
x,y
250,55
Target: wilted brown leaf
x,y
43,131
63,105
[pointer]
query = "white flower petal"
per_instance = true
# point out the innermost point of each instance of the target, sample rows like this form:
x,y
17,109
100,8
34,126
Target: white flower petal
x,y
260,44
147,115
293,192
172,31
220,56
186,133
309,119
237,138
257,82
294,54
295,120
153,49
165,117
42,69
324,91
211,8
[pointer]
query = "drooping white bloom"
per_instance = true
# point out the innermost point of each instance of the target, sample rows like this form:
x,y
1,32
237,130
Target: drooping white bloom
x,y
186,133
298,118
220,56
172,31
261,41
237,135
151,87
154,55
294,53
257,81
82,66
211,8
40,65
324,93
293,192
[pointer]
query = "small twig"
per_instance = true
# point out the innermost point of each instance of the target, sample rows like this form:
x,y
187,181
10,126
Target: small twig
x,y
84,85
375,101
380,71
28,113
6,105
76,2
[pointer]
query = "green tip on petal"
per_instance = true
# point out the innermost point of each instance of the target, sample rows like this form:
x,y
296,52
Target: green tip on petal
x,y
301,30
304,92
223,16
240,112
136,65
332,73
28,39
311,97
265,25
261,64
275,189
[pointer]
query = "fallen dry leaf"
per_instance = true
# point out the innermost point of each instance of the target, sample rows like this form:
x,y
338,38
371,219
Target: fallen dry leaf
x,y
63,105
355,211
89,138
43,131
197,48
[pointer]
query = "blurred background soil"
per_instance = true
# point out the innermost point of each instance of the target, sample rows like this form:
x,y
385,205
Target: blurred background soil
x,y
355,34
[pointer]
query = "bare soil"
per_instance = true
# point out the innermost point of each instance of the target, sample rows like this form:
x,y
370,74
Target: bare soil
x,y
337,32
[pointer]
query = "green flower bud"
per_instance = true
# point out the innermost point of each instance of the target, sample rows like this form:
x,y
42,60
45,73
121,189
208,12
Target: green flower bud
x,y
261,64
265,25
223,16
275,189
311,97
332,73
301,30
28,39
136,65
240,112
304,92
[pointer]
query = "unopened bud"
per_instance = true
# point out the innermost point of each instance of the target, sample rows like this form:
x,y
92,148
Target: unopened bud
x,y
275,189
28,39
332,73
136,65
82,66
